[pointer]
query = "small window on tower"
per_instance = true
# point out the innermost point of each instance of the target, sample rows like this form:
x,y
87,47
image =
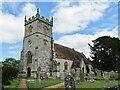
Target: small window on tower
x,y
36,60
45,29
29,42
30,29
36,47
45,41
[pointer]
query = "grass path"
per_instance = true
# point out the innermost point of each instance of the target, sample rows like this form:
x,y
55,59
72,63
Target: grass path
x,y
22,85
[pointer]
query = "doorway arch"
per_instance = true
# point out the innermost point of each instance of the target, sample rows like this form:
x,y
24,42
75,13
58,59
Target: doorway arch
x,y
28,72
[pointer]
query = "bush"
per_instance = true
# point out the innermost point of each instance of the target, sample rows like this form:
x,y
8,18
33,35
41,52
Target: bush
x,y
8,73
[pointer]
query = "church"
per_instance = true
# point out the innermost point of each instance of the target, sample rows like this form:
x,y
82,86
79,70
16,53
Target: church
x,y
40,52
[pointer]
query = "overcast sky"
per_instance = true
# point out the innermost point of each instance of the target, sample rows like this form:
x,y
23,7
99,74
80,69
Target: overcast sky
x,y
75,23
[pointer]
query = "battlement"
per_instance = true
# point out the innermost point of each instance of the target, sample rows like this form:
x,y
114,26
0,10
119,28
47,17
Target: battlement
x,y
38,17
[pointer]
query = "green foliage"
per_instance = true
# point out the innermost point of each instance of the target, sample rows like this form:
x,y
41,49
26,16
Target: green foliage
x,y
13,84
105,53
9,70
11,62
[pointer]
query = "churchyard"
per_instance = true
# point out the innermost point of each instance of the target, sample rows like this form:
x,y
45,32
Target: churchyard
x,y
34,83
91,81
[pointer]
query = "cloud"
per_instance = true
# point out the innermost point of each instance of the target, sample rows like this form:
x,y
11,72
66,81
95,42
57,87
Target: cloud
x,y
14,47
11,26
14,52
70,17
29,9
80,41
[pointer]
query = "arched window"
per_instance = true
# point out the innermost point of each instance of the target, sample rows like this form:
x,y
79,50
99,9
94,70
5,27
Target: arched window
x,y
83,69
29,57
87,68
29,42
58,63
66,65
30,29
45,41
45,30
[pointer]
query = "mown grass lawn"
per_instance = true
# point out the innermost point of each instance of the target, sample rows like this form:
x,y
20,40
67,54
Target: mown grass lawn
x,y
33,84
97,84
13,84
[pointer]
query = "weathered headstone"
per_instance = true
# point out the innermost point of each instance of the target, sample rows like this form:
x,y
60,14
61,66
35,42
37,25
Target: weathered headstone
x,y
81,76
62,76
113,75
106,76
77,75
66,73
91,75
54,75
69,83
39,80
73,72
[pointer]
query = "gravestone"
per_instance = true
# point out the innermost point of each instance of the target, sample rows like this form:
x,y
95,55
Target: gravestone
x,y
66,72
77,76
69,83
113,75
81,76
72,72
62,76
39,69
106,76
116,75
91,75
54,75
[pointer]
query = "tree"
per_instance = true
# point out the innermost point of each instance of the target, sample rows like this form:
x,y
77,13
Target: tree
x,y
105,53
9,70
11,62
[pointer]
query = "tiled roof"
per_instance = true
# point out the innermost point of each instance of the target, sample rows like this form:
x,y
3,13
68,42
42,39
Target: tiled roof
x,y
62,52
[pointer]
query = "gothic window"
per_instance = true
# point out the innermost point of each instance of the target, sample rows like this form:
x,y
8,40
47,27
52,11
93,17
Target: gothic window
x,y
39,24
29,57
83,69
66,65
36,47
29,42
45,42
45,30
87,68
30,29
58,63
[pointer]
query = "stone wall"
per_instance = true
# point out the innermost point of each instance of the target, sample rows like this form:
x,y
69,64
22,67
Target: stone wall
x,y
37,41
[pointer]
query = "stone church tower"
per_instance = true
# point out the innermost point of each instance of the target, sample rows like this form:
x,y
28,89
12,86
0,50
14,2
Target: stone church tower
x,y
37,45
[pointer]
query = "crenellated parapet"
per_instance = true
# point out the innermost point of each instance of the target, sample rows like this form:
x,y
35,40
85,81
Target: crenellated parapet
x,y
38,17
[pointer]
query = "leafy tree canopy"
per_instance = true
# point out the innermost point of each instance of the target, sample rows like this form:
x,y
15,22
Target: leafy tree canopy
x,y
11,62
9,70
105,53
